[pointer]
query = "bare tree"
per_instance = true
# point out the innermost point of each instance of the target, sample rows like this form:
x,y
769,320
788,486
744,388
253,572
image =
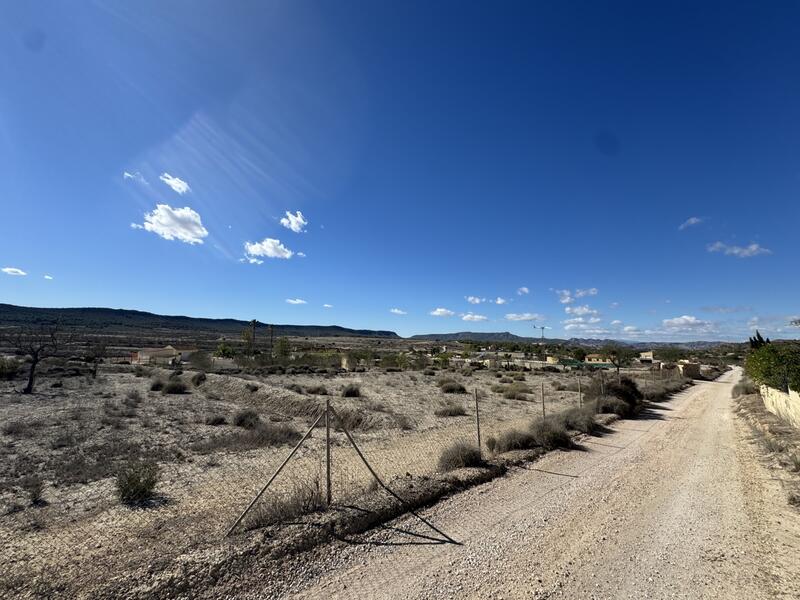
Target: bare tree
x,y
38,342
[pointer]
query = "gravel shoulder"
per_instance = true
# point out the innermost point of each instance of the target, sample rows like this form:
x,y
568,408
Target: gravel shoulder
x,y
674,504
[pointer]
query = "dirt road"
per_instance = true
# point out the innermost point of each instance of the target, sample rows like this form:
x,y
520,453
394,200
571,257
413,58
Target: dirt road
x,y
674,504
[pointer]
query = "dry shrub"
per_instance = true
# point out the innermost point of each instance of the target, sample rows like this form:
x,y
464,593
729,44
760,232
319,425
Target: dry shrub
x,y
8,368
198,379
216,420
136,482
743,388
174,386
303,498
516,391
515,439
259,436
550,433
579,419
353,419
450,409
458,456
34,488
156,385
248,419
613,405
319,390
295,387
16,428
351,390
451,386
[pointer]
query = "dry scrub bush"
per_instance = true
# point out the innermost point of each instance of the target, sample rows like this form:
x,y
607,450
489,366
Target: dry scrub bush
x,y
136,482
744,388
514,439
319,390
458,456
248,419
216,420
156,385
198,379
259,436
613,405
450,410
351,390
8,368
579,419
304,498
174,386
550,433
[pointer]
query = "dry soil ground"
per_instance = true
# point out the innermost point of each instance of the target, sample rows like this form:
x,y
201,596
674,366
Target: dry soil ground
x,y
674,504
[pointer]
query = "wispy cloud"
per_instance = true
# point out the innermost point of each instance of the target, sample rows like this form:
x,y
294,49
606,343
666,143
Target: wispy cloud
x,y
183,224
748,251
580,310
176,183
48,277
614,305
296,222
616,322
441,312
474,299
524,317
295,301
500,300
522,291
397,311
268,247
687,323
301,254
13,271
327,306
564,296
473,317
585,292
690,222
135,176
725,310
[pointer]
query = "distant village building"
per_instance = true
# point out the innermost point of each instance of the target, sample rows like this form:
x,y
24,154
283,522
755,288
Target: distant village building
x,y
167,355
646,358
689,369
595,359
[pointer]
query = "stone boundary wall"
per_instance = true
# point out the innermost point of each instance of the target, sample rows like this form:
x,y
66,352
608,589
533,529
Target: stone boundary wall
x,y
786,406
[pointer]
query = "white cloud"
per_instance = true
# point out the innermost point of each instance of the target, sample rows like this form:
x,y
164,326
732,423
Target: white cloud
x,y
13,271
176,183
397,311
524,317
522,291
268,247
295,222
564,296
327,306
301,254
586,292
296,301
630,329
441,312
473,317
474,299
48,277
182,224
690,222
752,249
580,310
500,300
687,323
135,176
614,305
616,322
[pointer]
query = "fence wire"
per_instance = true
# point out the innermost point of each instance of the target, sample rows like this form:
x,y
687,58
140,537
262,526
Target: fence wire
x,y
62,520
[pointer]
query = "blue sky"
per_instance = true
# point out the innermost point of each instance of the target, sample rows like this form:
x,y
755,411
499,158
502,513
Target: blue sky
x,y
630,171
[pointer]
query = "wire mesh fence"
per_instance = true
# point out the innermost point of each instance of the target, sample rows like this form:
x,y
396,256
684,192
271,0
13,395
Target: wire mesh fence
x,y
63,521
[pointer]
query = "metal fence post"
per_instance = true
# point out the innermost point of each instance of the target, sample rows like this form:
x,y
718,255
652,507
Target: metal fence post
x,y
478,421
544,415
580,394
328,450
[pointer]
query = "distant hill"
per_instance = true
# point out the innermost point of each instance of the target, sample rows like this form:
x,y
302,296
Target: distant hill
x,y
464,336
121,320
505,336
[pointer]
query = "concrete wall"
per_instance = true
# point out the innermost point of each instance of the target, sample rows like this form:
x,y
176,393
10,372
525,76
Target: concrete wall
x,y
786,406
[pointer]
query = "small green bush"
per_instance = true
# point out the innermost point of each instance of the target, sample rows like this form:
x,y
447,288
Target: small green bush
x,y
248,419
458,456
351,390
136,482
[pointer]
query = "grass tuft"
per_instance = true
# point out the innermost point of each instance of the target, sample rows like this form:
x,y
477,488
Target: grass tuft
x,y
458,456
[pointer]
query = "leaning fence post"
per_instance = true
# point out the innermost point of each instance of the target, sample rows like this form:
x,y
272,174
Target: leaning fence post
x,y
580,394
544,415
328,450
478,421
